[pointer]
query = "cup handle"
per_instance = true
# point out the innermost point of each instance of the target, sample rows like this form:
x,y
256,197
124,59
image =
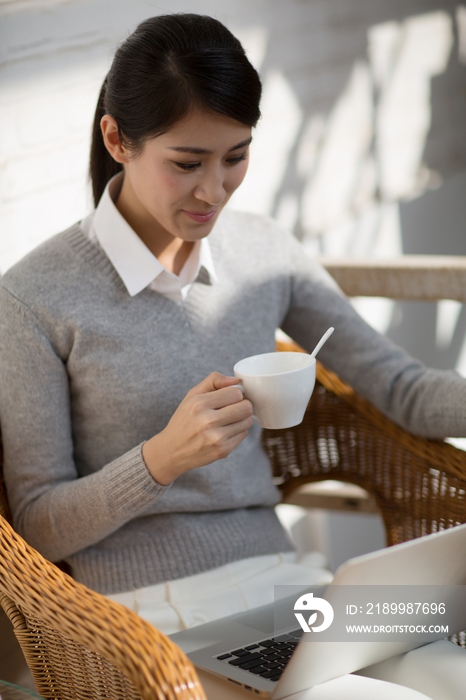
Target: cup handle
x,y
240,386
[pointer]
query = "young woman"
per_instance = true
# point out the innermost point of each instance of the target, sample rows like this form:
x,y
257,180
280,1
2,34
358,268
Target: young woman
x,y
129,450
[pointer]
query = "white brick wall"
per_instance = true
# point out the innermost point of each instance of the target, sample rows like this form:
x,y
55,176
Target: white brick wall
x,y
318,85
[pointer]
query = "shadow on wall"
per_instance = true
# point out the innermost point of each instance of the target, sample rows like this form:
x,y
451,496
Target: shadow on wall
x,y
363,112
346,111
382,170
434,225
341,153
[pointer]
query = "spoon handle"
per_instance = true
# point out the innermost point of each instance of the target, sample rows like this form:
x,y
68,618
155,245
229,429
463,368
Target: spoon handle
x,y
323,340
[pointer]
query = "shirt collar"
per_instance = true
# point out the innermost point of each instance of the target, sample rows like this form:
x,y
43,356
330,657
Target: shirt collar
x,y
206,261
130,257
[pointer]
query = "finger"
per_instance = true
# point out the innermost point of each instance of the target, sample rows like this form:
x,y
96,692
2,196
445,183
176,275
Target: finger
x,y
221,381
233,429
233,442
234,412
212,382
223,397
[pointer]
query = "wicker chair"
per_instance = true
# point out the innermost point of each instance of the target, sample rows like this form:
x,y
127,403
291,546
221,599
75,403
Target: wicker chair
x,y
419,485
78,644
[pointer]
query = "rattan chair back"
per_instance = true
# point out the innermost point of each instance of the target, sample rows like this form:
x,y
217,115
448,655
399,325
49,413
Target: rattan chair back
x,y
80,645
4,506
418,484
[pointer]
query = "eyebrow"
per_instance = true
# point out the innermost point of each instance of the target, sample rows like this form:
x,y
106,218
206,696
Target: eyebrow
x,y
205,151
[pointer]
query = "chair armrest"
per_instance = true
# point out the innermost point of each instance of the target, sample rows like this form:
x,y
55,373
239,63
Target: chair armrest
x,y
419,485
410,277
79,643
333,495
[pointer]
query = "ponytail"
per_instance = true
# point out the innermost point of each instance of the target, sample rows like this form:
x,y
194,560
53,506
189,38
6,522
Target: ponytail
x,y
102,167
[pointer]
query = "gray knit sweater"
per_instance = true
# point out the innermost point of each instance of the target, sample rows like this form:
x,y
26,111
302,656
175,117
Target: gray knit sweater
x,y
88,373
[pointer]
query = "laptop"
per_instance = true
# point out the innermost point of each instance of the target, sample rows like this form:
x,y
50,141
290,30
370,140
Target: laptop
x,y
249,651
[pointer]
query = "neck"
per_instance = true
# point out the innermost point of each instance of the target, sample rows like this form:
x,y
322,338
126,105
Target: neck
x,y
170,251
173,257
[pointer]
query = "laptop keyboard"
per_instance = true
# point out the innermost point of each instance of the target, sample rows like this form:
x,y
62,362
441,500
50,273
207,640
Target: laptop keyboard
x,y
267,658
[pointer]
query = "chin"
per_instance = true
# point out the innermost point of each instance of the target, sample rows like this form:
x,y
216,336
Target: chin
x,y
198,232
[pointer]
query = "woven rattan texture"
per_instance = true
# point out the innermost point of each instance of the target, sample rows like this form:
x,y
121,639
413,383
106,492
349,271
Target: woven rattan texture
x,y
419,484
4,507
80,645
88,675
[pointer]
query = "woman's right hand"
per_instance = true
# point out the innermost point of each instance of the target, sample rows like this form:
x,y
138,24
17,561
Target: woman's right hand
x,y
213,419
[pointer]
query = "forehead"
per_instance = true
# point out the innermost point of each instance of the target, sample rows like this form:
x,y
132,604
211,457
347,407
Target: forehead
x,y
208,131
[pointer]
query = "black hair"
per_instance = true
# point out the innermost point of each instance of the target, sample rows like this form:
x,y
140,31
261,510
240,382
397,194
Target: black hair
x,y
168,66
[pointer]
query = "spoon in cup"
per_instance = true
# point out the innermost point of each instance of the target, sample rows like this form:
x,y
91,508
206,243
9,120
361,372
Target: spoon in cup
x,y
323,340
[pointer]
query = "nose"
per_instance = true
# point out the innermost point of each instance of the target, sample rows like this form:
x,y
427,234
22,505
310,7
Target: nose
x,y
211,189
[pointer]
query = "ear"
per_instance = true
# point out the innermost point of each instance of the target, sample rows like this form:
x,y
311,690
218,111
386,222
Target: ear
x,y
111,138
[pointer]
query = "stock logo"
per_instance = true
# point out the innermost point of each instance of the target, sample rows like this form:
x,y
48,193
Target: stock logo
x,y
308,603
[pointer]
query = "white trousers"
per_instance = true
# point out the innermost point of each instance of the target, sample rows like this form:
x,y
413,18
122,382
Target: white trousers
x,y
434,672
237,587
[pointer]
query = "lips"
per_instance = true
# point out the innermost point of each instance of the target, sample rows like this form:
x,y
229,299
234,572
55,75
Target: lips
x,y
200,217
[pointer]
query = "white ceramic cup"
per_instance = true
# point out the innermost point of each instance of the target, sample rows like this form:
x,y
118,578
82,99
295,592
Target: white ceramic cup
x,y
279,386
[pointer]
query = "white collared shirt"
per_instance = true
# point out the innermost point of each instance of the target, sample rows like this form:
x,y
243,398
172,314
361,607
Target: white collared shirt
x,y
134,262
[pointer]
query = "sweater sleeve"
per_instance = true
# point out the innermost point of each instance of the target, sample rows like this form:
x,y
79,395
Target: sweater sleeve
x,y
428,402
55,509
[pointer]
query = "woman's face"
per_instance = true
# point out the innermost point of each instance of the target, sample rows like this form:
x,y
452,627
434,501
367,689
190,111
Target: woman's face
x,y
182,179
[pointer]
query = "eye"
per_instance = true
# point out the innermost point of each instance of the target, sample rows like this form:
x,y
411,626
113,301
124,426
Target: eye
x,y
237,159
187,167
